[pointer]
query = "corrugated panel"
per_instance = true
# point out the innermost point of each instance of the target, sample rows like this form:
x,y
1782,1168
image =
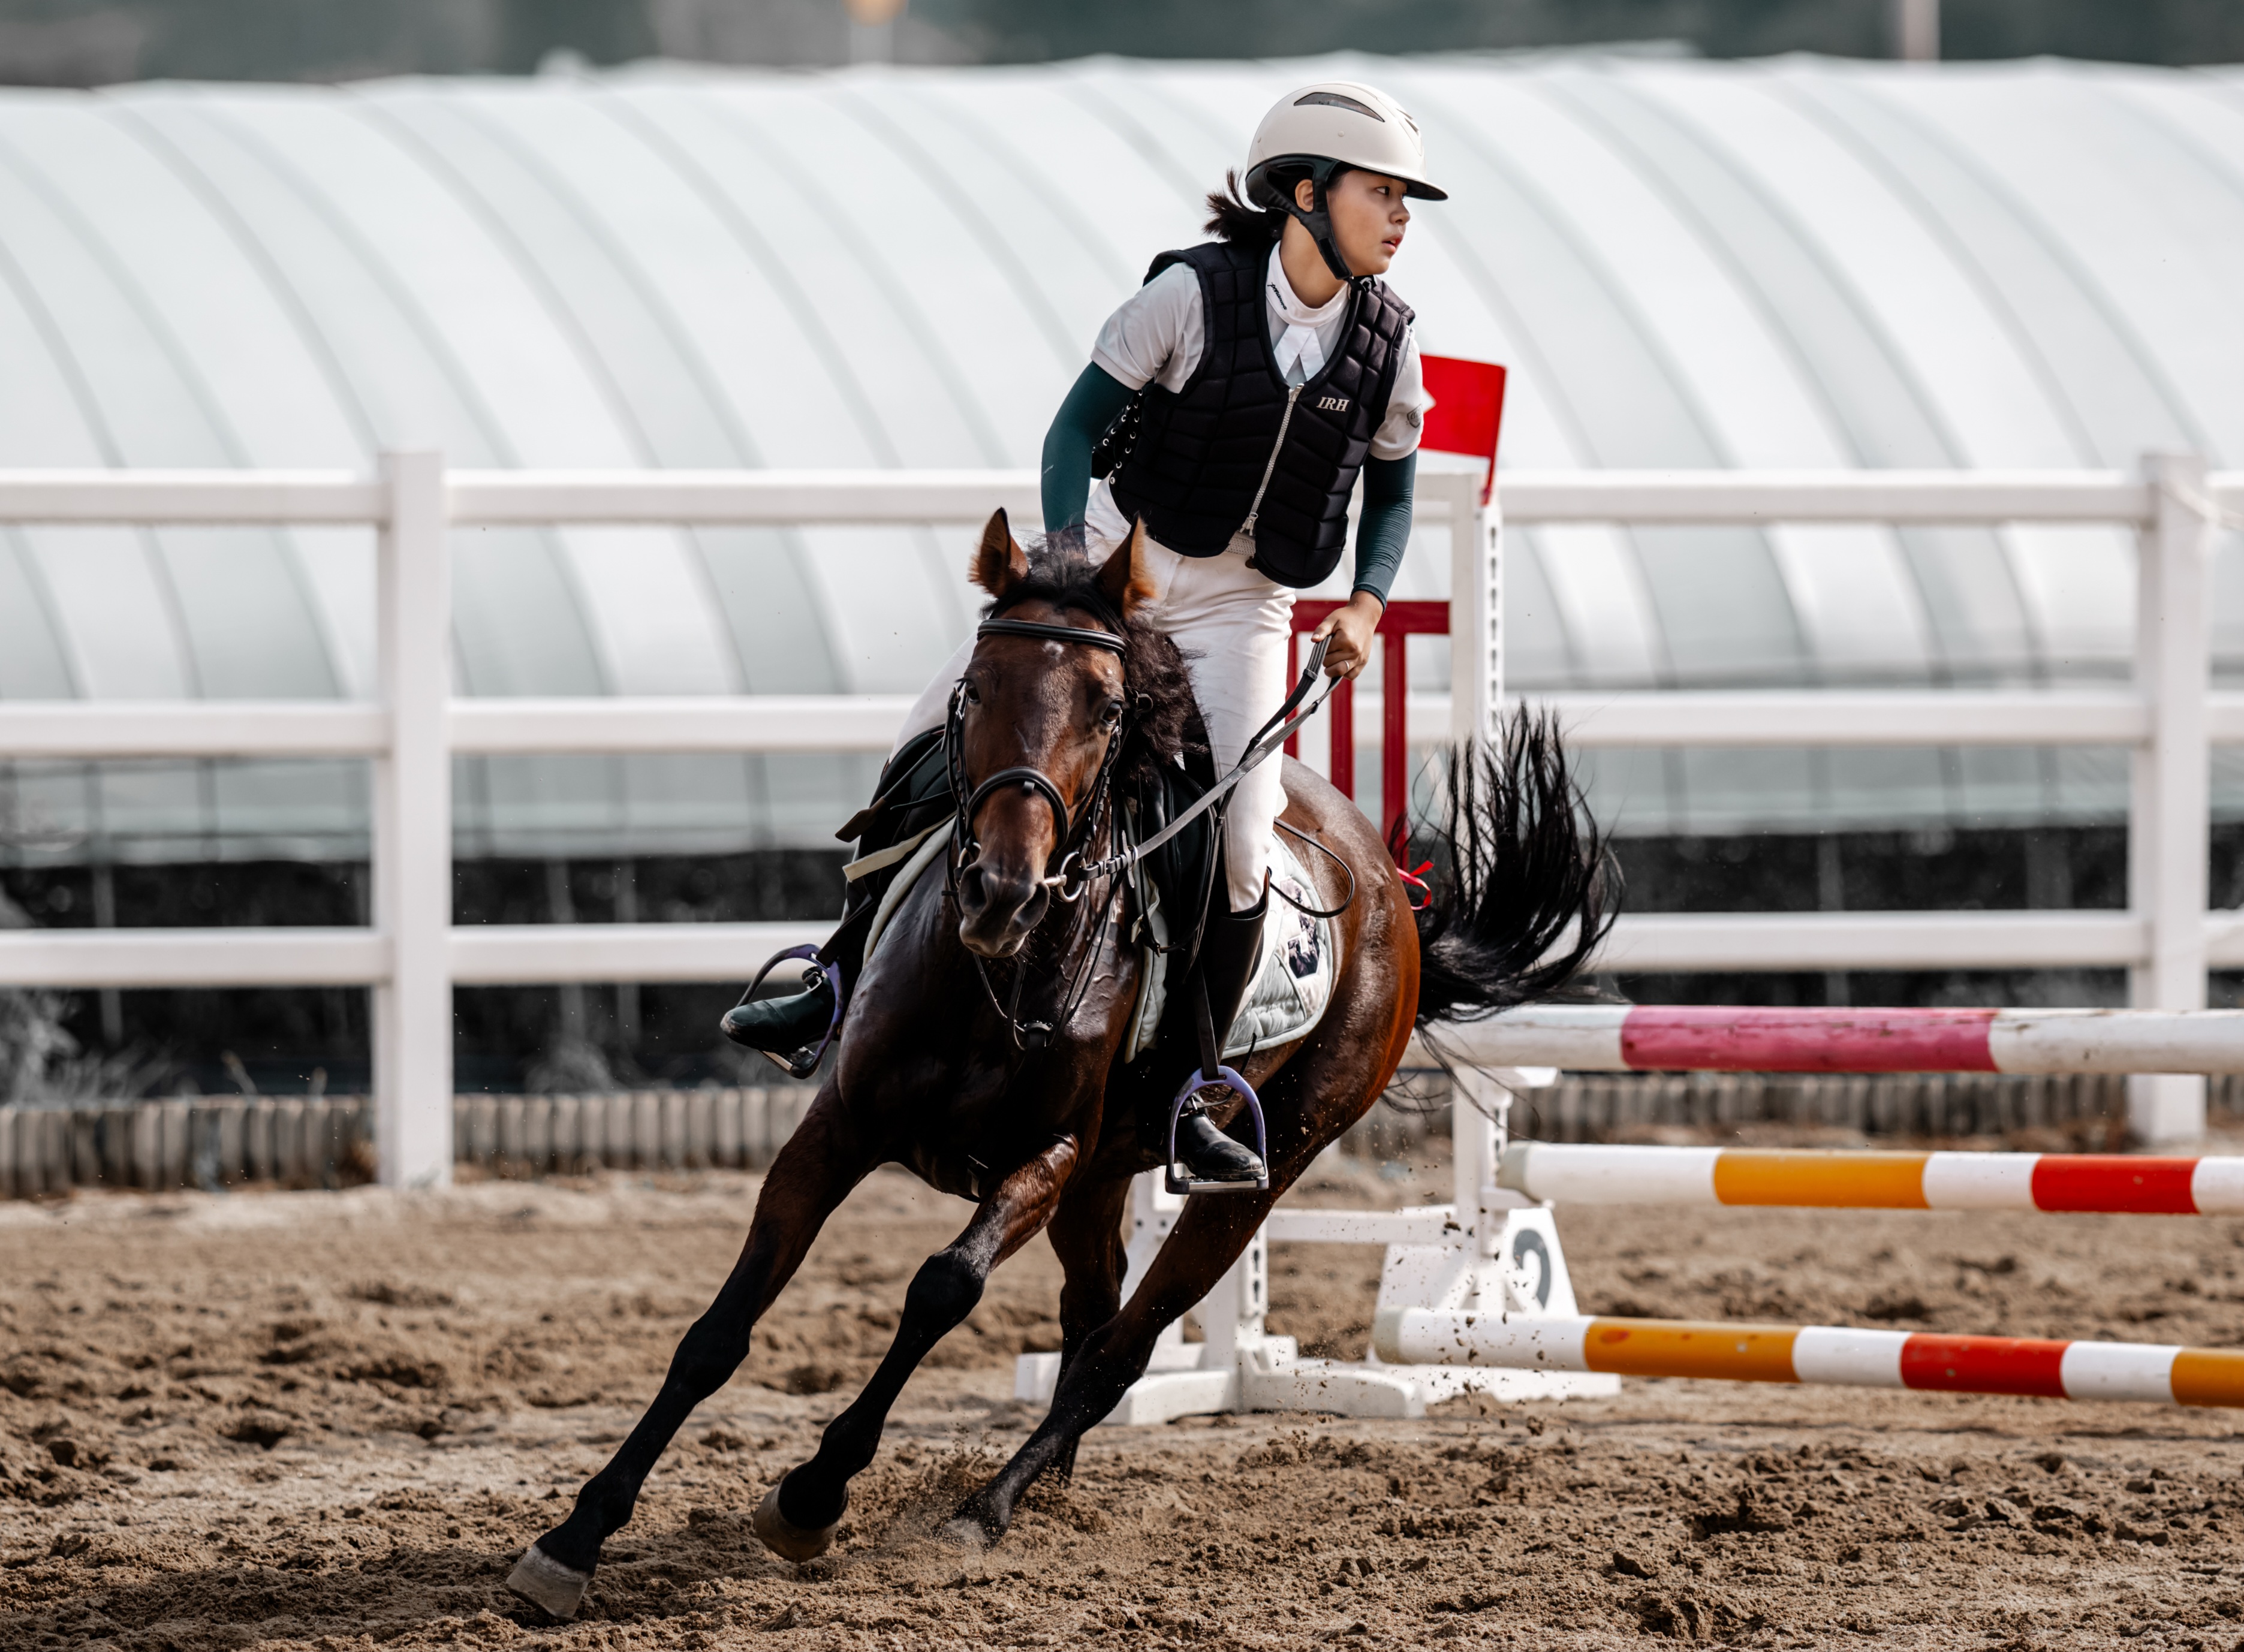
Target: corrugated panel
x,y
1799,263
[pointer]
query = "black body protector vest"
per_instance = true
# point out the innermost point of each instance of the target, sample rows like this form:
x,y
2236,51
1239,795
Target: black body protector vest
x,y
1238,449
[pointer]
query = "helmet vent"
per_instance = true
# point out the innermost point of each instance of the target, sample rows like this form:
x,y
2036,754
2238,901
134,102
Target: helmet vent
x,y
1340,100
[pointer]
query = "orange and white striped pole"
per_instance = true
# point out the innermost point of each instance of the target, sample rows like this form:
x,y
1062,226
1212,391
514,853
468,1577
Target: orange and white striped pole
x,y
2164,1374
1565,1173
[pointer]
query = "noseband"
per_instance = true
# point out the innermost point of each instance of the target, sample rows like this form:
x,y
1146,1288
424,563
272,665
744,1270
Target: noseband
x,y
1069,879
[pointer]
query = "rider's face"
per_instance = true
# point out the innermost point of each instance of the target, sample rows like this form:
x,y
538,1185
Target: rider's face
x,y
1369,214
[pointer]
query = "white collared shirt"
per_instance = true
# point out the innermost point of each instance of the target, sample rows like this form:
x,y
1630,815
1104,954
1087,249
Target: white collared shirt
x,y
1299,333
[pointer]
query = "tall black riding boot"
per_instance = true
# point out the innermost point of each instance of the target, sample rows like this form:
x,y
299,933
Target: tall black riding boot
x,y
1228,954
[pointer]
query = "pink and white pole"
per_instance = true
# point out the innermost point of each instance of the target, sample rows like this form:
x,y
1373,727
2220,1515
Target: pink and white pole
x,y
1622,1038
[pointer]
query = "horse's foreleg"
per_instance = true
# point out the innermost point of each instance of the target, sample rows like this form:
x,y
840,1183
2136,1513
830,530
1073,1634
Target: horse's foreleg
x,y
812,1175
1206,1240
798,1518
1087,1235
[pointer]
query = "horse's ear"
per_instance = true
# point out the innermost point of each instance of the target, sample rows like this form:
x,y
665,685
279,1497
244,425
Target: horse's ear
x,y
1124,579
999,561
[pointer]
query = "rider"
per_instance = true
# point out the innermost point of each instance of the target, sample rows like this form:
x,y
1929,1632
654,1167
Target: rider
x,y
1268,368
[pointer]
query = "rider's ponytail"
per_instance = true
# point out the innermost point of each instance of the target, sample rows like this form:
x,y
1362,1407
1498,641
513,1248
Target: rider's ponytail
x,y
1231,218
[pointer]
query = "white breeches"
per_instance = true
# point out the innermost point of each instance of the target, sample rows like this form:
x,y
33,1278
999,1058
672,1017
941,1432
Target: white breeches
x,y
1232,624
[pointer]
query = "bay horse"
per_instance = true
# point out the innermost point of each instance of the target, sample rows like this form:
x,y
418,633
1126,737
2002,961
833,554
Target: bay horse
x,y
932,1073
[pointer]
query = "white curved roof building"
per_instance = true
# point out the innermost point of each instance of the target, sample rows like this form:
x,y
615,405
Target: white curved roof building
x,y
1792,263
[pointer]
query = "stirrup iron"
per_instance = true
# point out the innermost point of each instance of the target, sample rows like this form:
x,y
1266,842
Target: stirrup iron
x,y
1186,1182
801,1064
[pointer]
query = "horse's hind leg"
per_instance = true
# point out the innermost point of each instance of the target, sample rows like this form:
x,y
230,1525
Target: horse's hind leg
x,y
812,1175
798,1517
1087,1235
1206,1240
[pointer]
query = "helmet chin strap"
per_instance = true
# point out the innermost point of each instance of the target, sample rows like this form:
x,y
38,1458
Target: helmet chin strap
x,y
1318,221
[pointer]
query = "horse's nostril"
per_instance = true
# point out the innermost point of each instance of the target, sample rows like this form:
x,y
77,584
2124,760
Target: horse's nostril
x,y
973,888
987,897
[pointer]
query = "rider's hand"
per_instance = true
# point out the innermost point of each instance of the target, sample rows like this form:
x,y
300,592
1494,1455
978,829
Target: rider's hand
x,y
1350,629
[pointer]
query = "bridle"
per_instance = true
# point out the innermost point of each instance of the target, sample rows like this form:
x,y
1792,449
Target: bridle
x,y
1066,849
1068,875
1065,874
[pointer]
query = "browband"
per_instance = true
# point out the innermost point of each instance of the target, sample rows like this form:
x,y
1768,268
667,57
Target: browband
x,y
1051,633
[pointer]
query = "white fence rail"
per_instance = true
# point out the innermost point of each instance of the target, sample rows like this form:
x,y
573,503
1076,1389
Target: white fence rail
x,y
412,956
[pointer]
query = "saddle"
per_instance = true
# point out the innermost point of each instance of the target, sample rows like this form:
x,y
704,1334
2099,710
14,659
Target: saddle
x,y
913,803
914,796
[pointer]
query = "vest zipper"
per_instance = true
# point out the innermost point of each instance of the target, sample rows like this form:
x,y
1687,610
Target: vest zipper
x,y
1293,394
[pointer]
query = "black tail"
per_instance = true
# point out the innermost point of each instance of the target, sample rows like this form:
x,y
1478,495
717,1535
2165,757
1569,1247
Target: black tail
x,y
1524,887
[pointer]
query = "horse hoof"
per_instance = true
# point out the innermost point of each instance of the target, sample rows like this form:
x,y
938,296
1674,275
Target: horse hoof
x,y
556,1589
964,1532
786,1540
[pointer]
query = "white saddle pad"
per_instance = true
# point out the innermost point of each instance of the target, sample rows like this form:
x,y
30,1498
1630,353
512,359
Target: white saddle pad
x,y
1293,983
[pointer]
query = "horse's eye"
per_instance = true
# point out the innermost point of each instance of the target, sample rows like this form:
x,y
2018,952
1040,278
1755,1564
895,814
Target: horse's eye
x,y
973,694
1111,714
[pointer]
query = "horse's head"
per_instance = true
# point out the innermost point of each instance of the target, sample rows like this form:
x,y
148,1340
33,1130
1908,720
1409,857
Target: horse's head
x,y
1037,715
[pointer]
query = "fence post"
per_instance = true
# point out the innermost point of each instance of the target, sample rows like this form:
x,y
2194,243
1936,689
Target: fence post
x,y
1475,607
2169,842
413,830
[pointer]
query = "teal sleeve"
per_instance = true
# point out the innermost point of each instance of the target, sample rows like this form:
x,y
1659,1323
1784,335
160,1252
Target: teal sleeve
x,y
1382,527
1094,402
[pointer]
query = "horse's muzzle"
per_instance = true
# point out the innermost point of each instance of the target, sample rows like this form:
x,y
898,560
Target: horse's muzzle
x,y
999,908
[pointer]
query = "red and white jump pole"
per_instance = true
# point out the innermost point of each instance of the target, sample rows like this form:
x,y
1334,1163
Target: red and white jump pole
x,y
1827,1354
1564,1173
1624,1038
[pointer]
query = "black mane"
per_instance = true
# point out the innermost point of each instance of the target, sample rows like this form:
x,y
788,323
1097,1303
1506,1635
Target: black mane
x,y
1164,716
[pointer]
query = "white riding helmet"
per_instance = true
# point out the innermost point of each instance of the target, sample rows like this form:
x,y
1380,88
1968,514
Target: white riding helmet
x,y
1344,121
1315,131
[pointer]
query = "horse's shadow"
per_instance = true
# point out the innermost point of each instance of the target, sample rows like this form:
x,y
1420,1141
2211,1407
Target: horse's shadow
x,y
405,1589
665,1573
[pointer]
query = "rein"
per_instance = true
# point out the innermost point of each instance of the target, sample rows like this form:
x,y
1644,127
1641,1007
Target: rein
x,y
1269,740
1072,874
